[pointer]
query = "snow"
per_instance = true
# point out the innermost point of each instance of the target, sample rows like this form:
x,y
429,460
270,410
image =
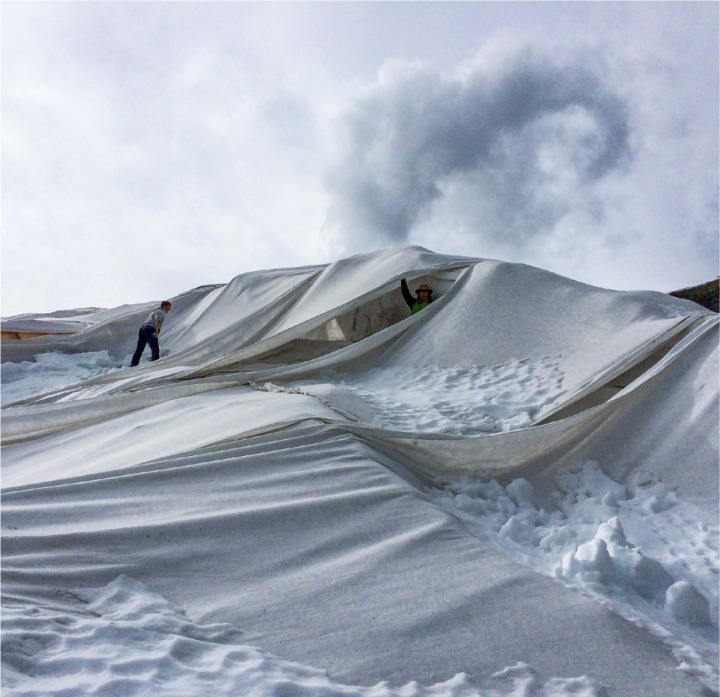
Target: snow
x,y
459,399
124,639
513,492
652,555
52,371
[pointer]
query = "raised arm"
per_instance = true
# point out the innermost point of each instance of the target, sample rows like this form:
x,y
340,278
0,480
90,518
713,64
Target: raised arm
x,y
406,293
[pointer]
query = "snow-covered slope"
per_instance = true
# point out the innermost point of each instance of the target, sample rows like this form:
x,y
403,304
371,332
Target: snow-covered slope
x,y
514,491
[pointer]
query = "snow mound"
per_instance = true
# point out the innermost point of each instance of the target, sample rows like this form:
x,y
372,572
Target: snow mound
x,y
652,555
124,639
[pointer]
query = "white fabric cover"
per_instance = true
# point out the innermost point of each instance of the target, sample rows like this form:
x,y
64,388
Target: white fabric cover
x,y
240,479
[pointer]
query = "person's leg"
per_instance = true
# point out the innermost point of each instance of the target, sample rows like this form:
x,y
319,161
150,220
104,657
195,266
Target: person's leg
x,y
152,339
142,342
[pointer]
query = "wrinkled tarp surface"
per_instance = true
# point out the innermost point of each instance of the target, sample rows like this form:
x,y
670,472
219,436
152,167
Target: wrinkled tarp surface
x,y
239,479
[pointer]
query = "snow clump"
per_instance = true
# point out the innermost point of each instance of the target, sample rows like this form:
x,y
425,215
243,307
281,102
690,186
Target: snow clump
x,y
652,557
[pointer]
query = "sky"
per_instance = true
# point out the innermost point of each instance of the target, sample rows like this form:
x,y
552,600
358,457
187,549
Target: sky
x,y
152,147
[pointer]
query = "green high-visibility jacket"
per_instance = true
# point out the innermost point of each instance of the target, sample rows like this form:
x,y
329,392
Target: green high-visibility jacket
x,y
413,303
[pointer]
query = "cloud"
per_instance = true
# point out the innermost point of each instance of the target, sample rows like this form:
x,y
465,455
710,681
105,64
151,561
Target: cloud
x,y
152,147
147,150
510,138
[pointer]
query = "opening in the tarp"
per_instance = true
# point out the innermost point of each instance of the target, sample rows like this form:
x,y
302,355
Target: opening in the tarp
x,y
607,391
381,312
353,325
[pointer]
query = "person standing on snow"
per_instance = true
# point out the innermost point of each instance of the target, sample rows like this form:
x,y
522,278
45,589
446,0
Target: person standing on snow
x,y
149,331
423,299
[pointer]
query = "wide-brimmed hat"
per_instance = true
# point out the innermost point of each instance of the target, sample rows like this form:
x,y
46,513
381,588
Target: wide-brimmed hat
x,y
424,286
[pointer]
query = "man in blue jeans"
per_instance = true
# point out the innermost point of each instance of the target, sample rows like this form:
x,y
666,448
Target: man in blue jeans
x,y
148,333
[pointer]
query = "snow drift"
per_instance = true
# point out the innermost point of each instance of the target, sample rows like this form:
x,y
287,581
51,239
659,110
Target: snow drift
x,y
514,491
